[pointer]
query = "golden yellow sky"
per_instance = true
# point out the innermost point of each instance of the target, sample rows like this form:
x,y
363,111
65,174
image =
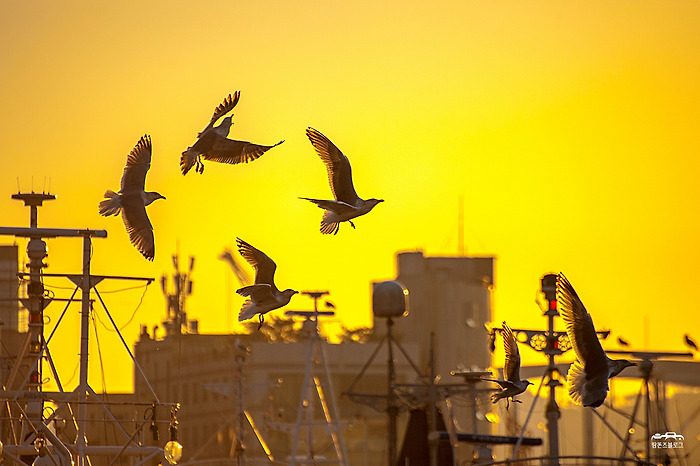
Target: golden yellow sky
x,y
568,128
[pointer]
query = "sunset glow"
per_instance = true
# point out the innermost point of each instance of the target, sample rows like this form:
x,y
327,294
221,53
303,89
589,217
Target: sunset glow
x,y
568,130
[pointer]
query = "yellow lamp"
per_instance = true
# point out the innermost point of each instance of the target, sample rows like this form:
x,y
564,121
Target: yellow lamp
x,y
172,451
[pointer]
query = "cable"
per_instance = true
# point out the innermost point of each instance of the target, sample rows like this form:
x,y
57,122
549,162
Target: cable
x,y
102,372
126,289
74,372
133,314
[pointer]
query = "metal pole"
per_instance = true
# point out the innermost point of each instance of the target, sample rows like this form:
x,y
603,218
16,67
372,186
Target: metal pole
x,y
240,446
648,419
432,406
549,289
36,251
337,438
553,412
391,408
304,403
81,440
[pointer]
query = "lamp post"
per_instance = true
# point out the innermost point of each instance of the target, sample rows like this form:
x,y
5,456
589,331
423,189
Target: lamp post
x,y
549,288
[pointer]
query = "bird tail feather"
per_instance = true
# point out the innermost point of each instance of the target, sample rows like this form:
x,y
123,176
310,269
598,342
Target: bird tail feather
x,y
187,161
111,205
496,396
248,310
328,223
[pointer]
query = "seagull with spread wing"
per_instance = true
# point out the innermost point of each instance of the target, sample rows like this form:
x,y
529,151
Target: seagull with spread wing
x,y
212,143
588,376
263,296
132,199
347,204
512,385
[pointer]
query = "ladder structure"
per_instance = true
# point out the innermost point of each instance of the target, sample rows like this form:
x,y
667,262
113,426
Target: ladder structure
x,y
312,390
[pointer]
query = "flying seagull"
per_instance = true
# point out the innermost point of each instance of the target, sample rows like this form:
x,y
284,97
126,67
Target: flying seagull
x,y
622,342
347,204
212,143
690,342
131,201
588,376
263,296
512,385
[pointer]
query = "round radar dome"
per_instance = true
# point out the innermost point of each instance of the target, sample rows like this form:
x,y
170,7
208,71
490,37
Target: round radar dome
x,y
389,299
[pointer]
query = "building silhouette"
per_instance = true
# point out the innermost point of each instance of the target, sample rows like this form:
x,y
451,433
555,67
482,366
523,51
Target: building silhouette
x,y
449,297
449,303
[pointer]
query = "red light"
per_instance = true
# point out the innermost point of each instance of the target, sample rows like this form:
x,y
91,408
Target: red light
x,y
553,304
34,317
34,378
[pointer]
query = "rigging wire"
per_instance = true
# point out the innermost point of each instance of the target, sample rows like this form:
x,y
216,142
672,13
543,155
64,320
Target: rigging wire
x,y
102,374
133,314
118,290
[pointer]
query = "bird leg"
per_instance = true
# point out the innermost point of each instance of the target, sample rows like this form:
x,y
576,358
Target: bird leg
x,y
351,224
261,318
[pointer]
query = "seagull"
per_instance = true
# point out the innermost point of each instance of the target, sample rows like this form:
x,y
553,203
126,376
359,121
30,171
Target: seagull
x,y
588,376
347,204
689,342
512,385
212,143
263,296
131,201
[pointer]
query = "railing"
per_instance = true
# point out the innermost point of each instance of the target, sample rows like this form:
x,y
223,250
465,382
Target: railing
x,y
562,461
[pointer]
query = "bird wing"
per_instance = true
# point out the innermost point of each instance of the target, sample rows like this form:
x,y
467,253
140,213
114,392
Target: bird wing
x,y
338,207
231,151
511,368
258,293
137,224
223,108
503,383
579,326
338,166
263,265
137,164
